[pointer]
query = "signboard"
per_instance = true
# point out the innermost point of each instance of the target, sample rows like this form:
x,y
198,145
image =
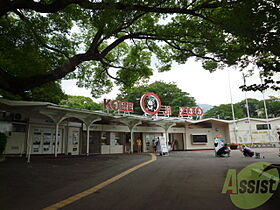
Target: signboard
x,y
116,105
150,103
189,111
162,146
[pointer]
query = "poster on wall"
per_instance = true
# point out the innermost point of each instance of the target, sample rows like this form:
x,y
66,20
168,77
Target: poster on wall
x,y
75,142
36,143
47,140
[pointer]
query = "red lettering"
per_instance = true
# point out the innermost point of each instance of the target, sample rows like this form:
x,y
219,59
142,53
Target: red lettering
x,y
123,106
189,111
199,111
130,107
106,104
167,111
115,105
183,111
118,105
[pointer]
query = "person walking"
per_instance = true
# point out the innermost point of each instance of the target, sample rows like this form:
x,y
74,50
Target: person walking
x,y
139,145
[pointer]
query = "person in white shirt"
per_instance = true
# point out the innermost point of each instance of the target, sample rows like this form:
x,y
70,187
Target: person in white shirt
x,y
221,148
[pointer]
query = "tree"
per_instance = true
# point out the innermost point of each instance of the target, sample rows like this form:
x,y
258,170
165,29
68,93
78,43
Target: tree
x,y
39,43
253,104
256,109
49,92
169,93
224,111
81,102
273,107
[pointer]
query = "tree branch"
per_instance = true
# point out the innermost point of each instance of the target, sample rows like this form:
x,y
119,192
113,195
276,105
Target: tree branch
x,y
38,38
58,5
190,51
27,83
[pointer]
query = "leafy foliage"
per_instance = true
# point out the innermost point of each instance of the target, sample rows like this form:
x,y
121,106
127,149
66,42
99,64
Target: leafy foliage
x,y
50,92
169,93
81,102
101,42
256,109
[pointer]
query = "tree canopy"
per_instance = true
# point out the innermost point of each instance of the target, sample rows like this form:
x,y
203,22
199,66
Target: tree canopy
x,y
169,93
49,92
81,102
101,41
256,109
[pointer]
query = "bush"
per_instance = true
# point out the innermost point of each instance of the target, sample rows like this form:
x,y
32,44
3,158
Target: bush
x,y
3,142
233,146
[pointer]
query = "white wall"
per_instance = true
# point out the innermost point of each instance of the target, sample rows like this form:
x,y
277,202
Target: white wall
x,y
258,136
206,131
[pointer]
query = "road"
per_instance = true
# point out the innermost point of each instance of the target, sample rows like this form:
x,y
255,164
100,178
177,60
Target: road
x,y
183,180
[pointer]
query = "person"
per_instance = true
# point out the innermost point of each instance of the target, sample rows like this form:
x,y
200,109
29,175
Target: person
x,y
139,144
128,146
218,143
155,145
247,152
221,149
224,150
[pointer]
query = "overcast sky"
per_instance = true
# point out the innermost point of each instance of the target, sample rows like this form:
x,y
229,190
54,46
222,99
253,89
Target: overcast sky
x,y
205,87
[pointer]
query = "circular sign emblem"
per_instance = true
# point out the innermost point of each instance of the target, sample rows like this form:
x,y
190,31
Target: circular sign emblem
x,y
150,103
199,111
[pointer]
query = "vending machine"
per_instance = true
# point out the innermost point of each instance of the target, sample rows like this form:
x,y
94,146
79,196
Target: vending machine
x,y
73,141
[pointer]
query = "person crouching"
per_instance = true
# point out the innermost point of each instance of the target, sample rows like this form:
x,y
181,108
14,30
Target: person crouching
x,y
224,150
247,152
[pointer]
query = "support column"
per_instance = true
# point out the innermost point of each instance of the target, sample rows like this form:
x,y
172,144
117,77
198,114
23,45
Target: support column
x,y
167,137
29,148
88,126
28,141
56,138
131,141
131,123
165,126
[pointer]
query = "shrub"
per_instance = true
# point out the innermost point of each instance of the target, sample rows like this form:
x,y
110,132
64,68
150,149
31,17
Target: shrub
x,y
3,142
233,145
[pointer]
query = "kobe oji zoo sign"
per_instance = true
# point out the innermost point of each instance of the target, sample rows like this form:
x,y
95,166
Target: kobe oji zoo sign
x,y
151,104
116,105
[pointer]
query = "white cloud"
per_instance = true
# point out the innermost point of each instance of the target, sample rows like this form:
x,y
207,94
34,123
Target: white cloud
x,y
205,87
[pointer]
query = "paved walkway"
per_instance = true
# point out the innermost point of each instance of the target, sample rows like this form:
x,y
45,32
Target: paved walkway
x,y
183,180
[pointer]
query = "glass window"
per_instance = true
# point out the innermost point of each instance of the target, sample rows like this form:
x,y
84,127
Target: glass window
x,y
199,138
18,128
263,126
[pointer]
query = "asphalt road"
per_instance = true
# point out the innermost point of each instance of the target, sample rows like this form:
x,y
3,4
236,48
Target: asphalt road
x,y
183,180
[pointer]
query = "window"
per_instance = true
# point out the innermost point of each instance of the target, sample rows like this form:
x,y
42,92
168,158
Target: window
x,y
18,128
199,138
263,126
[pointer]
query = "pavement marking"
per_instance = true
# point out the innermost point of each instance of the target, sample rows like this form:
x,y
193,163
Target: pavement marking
x,y
91,190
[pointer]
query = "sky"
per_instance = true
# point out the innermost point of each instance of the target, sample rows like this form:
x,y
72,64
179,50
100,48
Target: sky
x,y
205,87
